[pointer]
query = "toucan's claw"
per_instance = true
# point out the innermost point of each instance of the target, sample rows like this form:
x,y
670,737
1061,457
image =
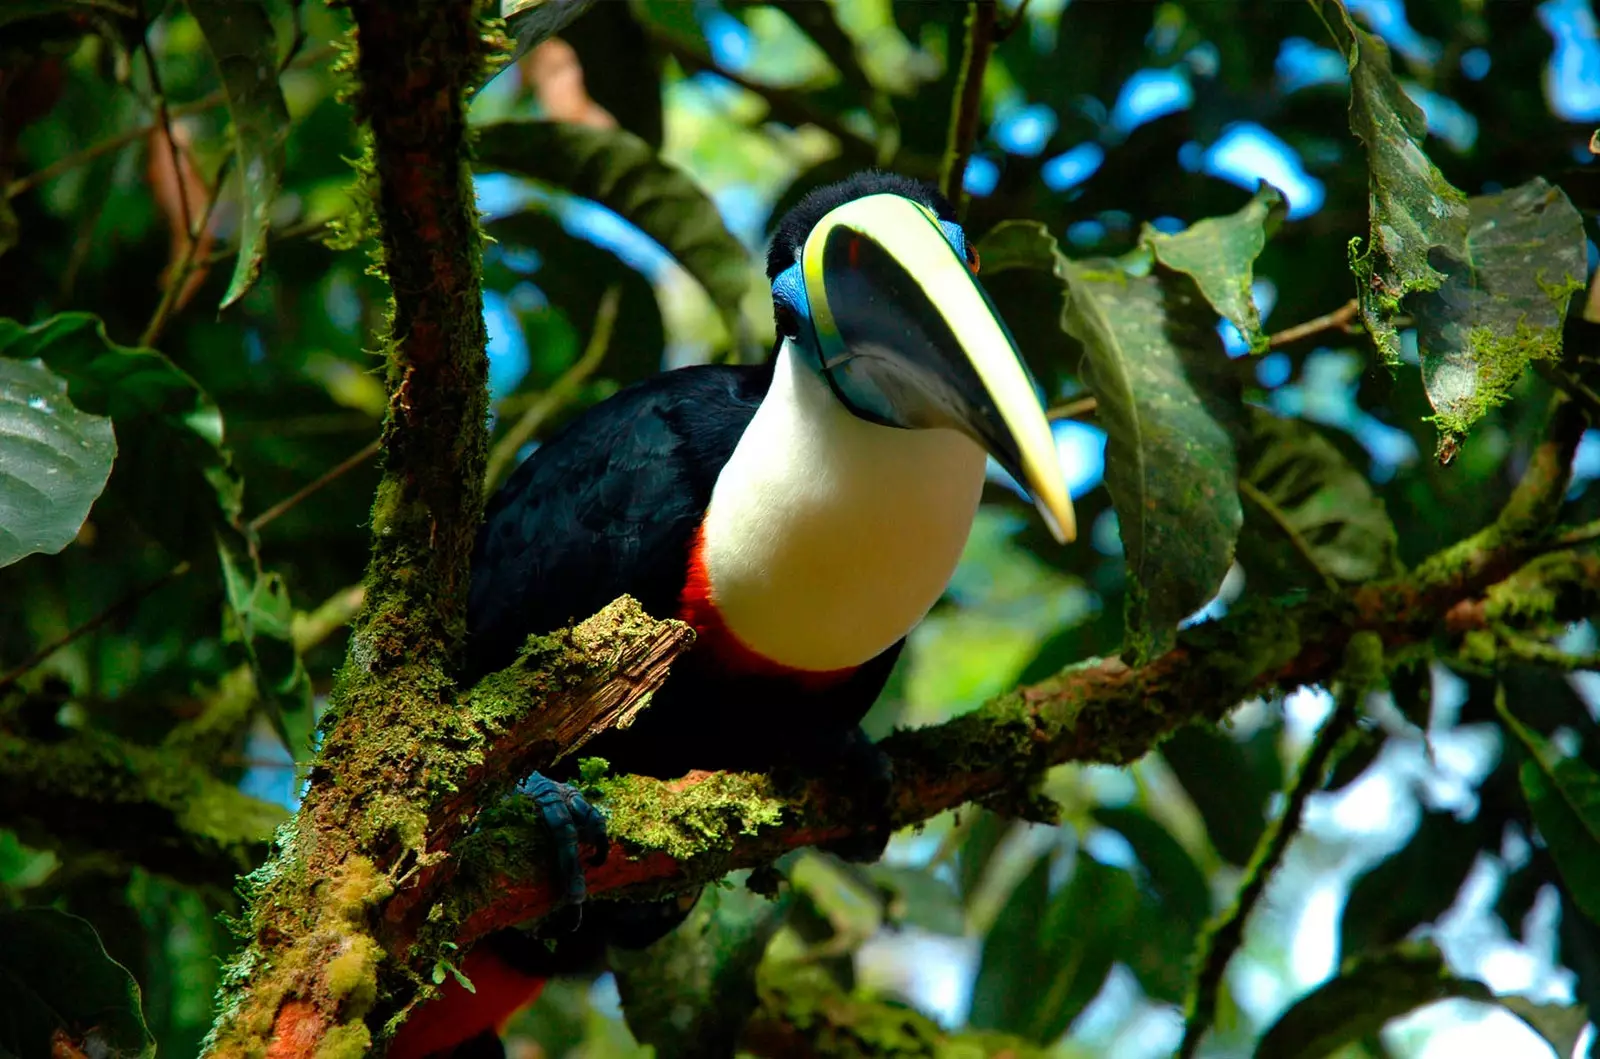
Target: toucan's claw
x,y
572,822
867,775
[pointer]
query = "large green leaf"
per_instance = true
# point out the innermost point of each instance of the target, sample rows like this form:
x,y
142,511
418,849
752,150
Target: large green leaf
x,y
176,475
618,170
239,36
1369,992
1308,514
1219,253
1413,886
1229,783
1013,959
54,461
1170,464
1152,359
59,990
1419,220
1174,876
1504,305
1564,795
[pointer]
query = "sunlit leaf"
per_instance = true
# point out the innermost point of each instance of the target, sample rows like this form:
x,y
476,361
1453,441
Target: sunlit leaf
x,y
1564,795
1504,305
62,990
1419,219
1170,465
821,24
239,36
1219,253
1307,511
54,461
262,617
618,170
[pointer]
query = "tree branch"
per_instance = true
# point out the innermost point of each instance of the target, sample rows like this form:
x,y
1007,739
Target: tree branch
x,y
980,38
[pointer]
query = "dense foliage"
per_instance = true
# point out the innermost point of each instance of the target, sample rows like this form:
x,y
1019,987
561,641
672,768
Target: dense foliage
x,y
1305,283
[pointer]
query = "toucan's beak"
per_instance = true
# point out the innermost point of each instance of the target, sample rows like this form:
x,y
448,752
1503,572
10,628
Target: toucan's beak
x,y
899,315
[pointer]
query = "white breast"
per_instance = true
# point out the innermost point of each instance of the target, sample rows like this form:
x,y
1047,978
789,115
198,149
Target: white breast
x,y
828,538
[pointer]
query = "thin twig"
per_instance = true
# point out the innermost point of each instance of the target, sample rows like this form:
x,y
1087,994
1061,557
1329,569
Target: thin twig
x,y
1077,408
1340,318
1251,492
185,265
43,653
349,463
969,95
164,123
557,396
1222,939
1587,533
1014,23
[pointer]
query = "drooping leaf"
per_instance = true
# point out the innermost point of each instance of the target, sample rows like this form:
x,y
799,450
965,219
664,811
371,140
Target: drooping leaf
x,y
983,837
1413,886
240,39
1504,305
618,170
54,461
1564,795
1013,957
1219,254
1419,220
62,990
1170,464
1018,244
1307,511
1229,783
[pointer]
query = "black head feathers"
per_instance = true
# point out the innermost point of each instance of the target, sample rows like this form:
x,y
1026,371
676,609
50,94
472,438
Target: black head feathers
x,y
791,232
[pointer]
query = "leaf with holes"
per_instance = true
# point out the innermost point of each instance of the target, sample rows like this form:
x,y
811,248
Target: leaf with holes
x,y
54,461
618,170
1504,306
1564,795
1419,219
63,994
239,36
1150,347
1219,254
1308,514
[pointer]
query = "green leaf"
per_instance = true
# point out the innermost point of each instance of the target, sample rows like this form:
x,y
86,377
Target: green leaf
x,y
820,22
1013,959
1170,465
1414,885
239,36
1369,992
1174,876
1564,795
263,621
54,461
1309,515
528,22
178,473
1419,220
58,979
1504,306
1366,994
620,171
1152,360
1229,783
1218,253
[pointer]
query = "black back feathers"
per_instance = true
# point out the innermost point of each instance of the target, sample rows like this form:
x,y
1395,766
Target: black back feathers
x,y
791,232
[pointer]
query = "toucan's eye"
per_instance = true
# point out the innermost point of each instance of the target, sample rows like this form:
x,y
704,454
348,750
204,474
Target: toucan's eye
x,y
784,316
972,258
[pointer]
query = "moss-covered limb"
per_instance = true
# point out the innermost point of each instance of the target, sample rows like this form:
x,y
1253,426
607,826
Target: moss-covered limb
x,y
672,836
1222,938
154,808
804,1014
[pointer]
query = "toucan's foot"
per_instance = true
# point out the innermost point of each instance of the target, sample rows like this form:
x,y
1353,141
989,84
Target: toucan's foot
x,y
572,822
867,776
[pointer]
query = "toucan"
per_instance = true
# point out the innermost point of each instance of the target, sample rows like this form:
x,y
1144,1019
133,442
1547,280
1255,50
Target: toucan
x,y
802,515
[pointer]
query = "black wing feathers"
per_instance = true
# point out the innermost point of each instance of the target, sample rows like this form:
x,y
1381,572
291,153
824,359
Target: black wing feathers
x,y
607,506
